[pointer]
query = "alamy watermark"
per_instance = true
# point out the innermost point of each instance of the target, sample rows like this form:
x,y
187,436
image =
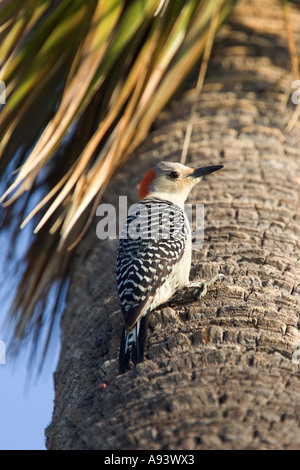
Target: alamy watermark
x,y
296,353
2,92
296,94
153,222
2,352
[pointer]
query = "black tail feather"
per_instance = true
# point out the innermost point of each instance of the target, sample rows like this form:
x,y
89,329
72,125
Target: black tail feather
x,y
142,338
133,344
124,356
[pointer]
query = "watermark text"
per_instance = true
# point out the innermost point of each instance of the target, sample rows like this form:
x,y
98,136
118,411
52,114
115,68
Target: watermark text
x,y
296,353
296,94
2,92
2,352
154,222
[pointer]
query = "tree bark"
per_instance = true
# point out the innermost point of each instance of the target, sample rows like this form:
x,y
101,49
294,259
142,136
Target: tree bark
x,y
218,372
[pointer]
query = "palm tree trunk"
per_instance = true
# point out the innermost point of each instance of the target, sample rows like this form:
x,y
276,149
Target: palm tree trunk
x,y
218,373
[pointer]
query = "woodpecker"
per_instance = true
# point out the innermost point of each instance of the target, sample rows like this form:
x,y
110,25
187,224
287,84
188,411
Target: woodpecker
x,y
154,252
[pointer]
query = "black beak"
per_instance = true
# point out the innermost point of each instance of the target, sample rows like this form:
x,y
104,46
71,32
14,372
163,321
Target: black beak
x,y
205,170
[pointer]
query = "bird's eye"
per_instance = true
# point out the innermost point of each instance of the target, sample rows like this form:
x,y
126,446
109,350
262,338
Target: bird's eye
x,y
173,175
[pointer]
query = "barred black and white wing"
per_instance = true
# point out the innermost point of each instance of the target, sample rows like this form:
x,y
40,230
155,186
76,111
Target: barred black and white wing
x,y
152,243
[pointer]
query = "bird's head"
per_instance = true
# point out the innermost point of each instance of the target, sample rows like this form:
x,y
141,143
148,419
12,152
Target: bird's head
x,y
173,181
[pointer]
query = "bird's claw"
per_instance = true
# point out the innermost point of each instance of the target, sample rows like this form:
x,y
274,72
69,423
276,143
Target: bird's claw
x,y
203,285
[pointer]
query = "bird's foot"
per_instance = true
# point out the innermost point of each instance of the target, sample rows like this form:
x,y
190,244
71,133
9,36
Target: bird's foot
x,y
204,285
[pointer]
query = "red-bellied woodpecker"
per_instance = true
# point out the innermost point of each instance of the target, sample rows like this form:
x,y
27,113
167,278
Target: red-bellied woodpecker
x,y
154,253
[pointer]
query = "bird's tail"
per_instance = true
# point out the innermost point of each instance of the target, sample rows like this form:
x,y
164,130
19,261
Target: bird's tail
x,y
133,344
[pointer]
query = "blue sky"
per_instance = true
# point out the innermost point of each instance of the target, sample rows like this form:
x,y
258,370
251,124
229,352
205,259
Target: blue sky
x,y
25,408
25,404
26,400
